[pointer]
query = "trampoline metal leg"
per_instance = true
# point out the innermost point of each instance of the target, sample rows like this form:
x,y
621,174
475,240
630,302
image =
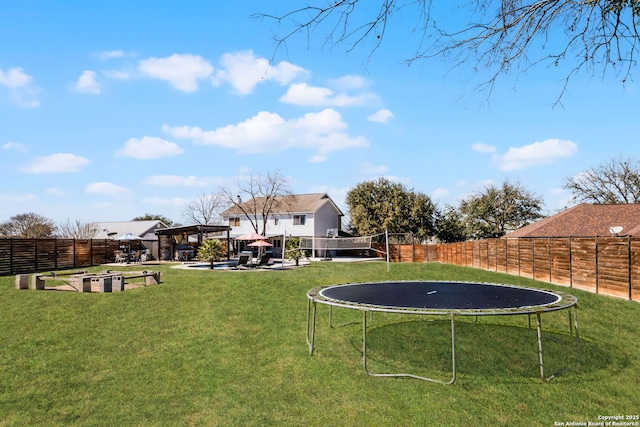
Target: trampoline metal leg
x,y
311,325
453,355
575,324
539,324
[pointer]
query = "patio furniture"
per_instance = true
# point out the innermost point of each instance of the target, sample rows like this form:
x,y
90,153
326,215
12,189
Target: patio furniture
x,y
264,259
244,260
120,257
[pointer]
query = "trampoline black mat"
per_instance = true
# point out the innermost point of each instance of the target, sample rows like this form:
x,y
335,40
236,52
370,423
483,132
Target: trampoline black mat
x,y
439,295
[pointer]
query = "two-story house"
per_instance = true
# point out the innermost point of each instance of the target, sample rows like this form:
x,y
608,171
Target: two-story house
x,y
299,215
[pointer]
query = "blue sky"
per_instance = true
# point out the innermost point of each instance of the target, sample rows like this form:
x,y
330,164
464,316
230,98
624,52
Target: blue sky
x,y
110,110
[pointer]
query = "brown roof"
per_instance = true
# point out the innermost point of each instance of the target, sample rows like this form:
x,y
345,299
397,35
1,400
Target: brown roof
x,y
585,220
297,203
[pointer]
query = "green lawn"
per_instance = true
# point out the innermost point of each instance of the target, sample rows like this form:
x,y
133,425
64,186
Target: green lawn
x,y
228,348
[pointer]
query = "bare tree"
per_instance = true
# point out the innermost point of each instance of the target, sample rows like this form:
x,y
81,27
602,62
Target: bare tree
x,y
28,225
205,210
256,196
499,36
616,181
77,229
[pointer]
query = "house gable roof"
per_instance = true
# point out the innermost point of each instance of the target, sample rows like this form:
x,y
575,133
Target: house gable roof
x,y
118,228
297,203
585,220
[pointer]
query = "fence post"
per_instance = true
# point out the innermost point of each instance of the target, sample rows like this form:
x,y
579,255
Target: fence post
x,y
597,262
11,271
533,258
519,258
570,262
629,269
549,253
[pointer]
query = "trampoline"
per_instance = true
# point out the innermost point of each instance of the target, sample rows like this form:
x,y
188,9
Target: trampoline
x,y
440,298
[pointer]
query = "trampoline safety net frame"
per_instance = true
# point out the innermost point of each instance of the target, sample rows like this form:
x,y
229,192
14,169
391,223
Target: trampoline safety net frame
x,y
314,297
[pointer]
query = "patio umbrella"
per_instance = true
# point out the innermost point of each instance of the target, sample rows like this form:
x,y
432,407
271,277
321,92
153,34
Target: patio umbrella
x,y
128,237
260,243
251,236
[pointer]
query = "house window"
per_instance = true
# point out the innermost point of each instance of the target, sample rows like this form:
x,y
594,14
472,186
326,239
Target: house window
x,y
275,221
234,222
299,219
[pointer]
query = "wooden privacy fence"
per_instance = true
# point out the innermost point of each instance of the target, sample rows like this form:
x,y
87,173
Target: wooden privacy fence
x,y
28,255
604,265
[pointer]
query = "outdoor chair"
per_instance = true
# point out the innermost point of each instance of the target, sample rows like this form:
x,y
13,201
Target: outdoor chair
x,y
268,264
244,261
264,259
119,256
135,256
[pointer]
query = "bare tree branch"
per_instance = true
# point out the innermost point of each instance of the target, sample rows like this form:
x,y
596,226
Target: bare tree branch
x,y
500,37
257,196
77,229
615,182
205,210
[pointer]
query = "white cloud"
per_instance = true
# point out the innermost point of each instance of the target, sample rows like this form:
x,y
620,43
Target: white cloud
x,y
306,95
116,74
322,131
440,193
538,153
181,71
483,148
182,181
350,82
110,54
381,116
57,163
87,83
14,78
16,198
149,148
243,70
20,87
106,188
13,146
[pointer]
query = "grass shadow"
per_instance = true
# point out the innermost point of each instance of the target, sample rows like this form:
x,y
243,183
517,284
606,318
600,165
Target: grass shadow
x,y
504,353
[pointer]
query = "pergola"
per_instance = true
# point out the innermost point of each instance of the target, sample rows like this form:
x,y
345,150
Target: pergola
x,y
196,229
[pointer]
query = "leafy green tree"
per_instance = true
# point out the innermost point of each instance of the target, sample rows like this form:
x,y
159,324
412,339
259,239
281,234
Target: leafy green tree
x,y
616,181
494,211
450,226
153,217
292,250
211,250
376,206
28,225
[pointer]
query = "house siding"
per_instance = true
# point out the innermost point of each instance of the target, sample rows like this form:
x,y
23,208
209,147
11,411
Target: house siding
x,y
325,216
